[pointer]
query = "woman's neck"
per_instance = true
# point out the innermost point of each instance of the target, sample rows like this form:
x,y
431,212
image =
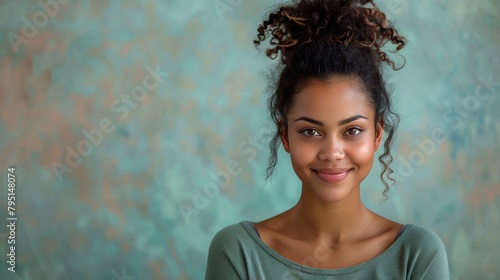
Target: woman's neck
x,y
330,222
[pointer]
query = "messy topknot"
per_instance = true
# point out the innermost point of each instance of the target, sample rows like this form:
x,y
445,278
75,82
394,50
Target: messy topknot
x,y
348,22
318,39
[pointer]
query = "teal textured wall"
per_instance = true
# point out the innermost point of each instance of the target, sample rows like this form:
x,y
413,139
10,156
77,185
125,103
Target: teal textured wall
x,y
117,114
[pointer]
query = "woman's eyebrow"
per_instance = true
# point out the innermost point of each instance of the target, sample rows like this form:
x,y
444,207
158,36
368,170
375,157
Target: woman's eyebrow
x,y
316,122
341,122
351,119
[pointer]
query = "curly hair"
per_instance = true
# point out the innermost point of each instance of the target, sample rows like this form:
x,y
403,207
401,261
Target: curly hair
x,y
319,39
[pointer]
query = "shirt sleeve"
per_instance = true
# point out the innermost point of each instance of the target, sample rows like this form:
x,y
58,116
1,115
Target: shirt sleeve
x,y
432,260
225,257
438,269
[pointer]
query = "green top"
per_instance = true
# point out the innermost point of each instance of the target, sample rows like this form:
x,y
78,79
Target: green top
x,y
237,252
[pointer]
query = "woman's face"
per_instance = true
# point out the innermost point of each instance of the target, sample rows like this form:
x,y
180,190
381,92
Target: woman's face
x,y
331,137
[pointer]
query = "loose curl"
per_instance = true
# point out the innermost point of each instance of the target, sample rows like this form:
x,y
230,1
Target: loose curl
x,y
320,39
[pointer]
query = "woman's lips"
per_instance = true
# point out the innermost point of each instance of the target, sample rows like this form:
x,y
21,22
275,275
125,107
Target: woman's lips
x,y
332,175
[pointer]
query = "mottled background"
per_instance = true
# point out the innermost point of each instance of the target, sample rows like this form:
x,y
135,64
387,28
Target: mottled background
x,y
132,205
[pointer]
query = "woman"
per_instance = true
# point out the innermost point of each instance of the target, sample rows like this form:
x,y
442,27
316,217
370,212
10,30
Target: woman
x,y
331,110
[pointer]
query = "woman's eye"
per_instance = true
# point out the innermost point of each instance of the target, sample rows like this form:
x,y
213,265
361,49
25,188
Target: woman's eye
x,y
309,132
353,131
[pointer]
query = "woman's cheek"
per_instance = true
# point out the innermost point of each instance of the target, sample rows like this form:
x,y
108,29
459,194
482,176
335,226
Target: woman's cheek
x,y
302,156
303,152
362,152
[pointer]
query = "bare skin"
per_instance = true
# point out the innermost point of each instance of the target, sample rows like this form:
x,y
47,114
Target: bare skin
x,y
330,227
305,244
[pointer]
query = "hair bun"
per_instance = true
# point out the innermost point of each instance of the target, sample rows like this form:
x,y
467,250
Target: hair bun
x,y
348,22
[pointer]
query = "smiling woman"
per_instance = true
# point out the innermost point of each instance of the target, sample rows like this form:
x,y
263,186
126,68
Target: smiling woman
x,y
333,137
331,111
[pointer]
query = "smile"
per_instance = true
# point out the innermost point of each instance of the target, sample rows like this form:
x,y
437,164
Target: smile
x,y
332,177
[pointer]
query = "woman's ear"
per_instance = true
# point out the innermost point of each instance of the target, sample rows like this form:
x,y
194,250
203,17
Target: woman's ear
x,y
379,133
283,129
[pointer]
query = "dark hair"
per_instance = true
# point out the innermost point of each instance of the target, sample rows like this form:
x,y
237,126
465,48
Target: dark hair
x,y
326,38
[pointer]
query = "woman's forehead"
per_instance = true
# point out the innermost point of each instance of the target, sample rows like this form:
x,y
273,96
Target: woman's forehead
x,y
330,98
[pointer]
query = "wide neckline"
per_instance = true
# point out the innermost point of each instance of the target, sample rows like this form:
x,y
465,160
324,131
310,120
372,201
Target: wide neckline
x,y
325,271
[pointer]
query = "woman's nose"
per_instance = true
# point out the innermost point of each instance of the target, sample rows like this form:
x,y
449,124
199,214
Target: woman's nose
x,y
332,150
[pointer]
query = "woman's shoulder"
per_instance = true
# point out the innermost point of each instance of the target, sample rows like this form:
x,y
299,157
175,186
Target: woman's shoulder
x,y
230,229
231,236
425,252
421,237
227,255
